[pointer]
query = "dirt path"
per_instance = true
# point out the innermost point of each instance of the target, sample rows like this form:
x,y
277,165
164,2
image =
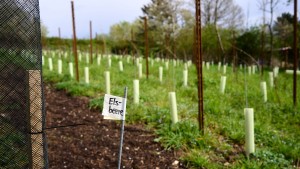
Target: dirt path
x,y
96,144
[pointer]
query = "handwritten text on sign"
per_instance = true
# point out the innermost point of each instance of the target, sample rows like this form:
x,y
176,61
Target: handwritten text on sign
x,y
114,107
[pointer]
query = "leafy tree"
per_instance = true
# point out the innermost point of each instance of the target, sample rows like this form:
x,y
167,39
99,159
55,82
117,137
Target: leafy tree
x,y
120,37
273,4
218,15
44,30
224,13
185,38
44,33
248,43
283,29
210,44
163,22
102,42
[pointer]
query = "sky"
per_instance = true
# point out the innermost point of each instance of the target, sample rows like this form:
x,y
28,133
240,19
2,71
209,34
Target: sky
x,y
104,13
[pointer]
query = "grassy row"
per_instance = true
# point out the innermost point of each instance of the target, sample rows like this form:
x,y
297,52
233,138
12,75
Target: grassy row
x,y
277,122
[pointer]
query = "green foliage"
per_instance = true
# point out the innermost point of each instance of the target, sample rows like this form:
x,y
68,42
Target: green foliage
x,y
265,159
210,43
12,150
180,135
197,159
18,59
157,116
120,35
96,103
283,30
78,89
82,44
54,78
249,42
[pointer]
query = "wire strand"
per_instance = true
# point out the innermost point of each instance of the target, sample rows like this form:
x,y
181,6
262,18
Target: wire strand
x,y
246,87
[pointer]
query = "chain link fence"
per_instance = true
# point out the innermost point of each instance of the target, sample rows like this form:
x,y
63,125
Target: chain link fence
x,y
22,114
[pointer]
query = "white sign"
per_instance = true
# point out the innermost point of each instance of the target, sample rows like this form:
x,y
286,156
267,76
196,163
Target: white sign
x,y
114,107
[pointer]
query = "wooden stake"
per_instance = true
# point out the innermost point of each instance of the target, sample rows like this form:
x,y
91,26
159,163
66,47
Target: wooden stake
x,y
75,41
36,118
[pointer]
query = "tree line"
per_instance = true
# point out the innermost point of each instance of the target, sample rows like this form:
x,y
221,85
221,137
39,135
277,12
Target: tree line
x,y
225,37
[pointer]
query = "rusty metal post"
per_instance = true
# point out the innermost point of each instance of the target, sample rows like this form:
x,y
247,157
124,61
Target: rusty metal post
x,y
199,66
146,46
75,41
295,51
91,43
194,59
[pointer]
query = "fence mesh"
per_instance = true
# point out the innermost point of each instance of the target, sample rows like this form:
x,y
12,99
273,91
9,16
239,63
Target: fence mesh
x,y
22,115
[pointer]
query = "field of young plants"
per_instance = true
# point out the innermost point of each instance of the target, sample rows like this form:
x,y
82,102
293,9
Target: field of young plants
x,y
277,122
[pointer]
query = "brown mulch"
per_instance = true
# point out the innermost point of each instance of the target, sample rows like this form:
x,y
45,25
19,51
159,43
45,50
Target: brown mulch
x,y
91,142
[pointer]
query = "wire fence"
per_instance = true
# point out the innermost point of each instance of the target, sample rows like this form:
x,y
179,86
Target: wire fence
x,y
22,114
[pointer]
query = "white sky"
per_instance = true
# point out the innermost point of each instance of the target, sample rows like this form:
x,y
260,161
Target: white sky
x,y
104,13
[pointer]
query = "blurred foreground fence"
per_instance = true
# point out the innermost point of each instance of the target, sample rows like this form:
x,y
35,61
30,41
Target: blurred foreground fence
x,y
22,114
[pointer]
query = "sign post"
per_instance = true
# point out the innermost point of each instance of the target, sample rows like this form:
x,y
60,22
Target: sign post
x,y
114,108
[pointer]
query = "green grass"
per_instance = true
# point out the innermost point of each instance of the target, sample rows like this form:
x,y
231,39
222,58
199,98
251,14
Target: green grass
x,y
277,122
13,148
20,59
